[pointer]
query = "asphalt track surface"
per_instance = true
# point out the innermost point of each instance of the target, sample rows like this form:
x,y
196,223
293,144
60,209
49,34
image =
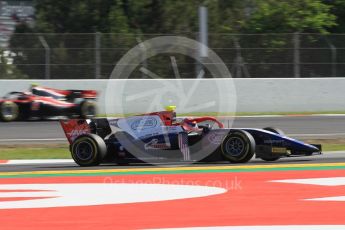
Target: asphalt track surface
x,y
331,157
302,127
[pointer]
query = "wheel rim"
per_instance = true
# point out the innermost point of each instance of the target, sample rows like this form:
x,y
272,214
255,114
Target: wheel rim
x,y
235,146
89,110
84,151
7,112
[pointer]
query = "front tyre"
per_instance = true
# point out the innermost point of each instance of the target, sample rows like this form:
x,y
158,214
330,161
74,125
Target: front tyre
x,y
88,150
9,111
88,109
238,146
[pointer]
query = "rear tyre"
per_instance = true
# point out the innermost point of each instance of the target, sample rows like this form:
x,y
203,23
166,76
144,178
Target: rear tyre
x,y
277,131
238,146
88,109
9,111
88,150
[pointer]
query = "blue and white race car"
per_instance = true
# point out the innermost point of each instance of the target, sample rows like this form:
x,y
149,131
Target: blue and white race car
x,y
162,137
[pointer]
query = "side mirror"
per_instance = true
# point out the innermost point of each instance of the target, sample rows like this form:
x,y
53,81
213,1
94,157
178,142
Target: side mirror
x,y
206,128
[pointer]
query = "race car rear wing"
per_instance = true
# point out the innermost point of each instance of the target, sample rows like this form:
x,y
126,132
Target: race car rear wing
x,y
90,94
74,128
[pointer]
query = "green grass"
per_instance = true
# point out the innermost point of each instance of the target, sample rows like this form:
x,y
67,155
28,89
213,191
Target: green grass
x,y
34,153
234,114
12,153
259,113
333,147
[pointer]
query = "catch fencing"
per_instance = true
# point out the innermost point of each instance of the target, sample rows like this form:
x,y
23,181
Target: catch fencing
x,y
94,55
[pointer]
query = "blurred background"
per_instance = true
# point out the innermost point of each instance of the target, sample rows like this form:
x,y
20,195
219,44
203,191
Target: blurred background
x,y
84,39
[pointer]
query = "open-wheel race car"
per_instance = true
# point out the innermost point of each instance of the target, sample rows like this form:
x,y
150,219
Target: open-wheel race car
x,y
43,102
160,135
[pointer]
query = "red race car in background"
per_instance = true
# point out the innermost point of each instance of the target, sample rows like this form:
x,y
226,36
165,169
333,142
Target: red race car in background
x,y
44,102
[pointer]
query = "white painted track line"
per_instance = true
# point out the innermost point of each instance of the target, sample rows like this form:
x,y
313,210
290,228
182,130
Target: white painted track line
x,y
35,139
38,161
271,227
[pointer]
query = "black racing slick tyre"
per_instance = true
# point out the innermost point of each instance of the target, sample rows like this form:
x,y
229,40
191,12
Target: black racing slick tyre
x,y
238,146
9,111
277,131
88,150
88,109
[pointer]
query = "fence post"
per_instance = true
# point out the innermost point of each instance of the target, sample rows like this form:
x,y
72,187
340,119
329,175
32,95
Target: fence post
x,y
203,39
296,55
239,69
47,56
97,55
144,58
334,60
